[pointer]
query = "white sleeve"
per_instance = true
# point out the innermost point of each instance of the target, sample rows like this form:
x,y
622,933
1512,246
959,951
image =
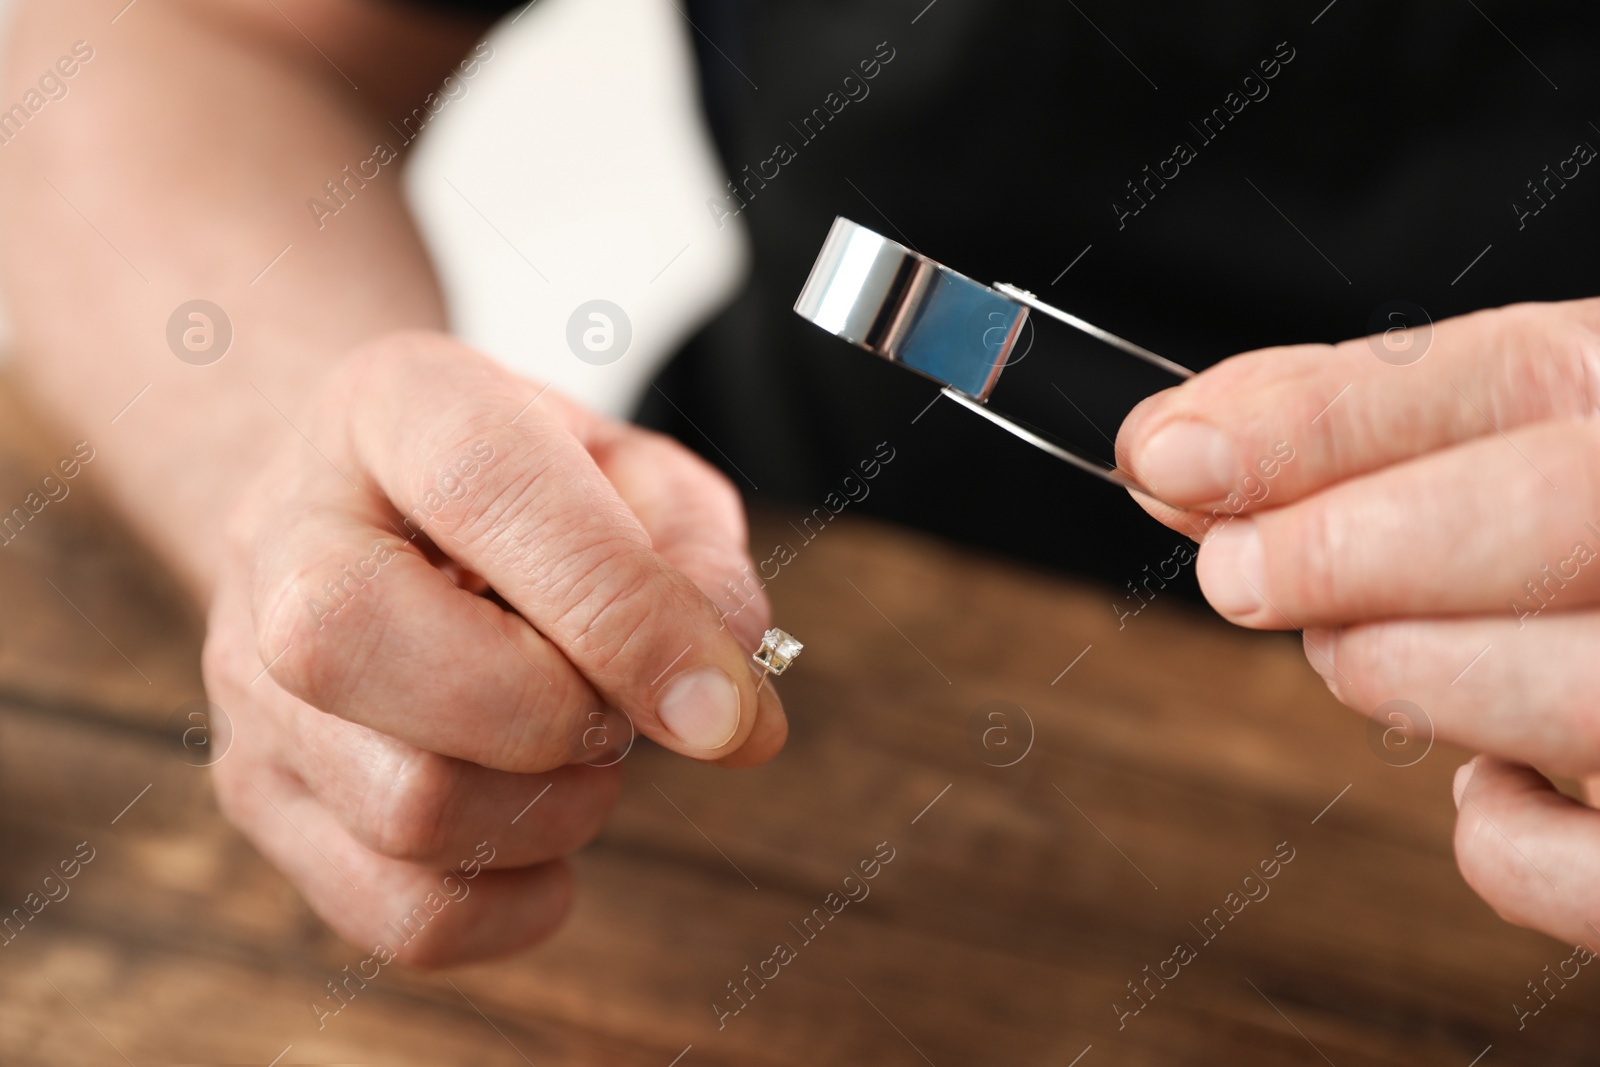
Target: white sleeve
x,y
573,164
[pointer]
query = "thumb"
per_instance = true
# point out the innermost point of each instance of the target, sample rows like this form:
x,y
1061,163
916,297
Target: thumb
x,y
694,517
696,522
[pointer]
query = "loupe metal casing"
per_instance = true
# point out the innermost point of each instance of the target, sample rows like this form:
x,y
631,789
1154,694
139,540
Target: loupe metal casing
x,y
897,303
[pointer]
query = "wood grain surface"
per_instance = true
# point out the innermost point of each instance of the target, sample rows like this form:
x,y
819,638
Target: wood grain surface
x,y
1171,759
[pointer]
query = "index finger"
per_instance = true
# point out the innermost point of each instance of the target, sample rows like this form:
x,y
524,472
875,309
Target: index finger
x,y
1341,411
532,513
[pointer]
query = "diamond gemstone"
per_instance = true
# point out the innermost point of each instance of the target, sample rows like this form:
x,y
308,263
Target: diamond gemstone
x,y
777,651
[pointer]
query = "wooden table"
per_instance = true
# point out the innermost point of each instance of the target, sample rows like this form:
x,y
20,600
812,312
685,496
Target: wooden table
x,y
1173,757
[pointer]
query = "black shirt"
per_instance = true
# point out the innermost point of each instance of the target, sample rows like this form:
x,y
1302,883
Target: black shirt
x,y
1203,178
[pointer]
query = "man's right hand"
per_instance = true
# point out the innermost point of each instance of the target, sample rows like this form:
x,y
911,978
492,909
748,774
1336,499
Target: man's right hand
x,y
455,595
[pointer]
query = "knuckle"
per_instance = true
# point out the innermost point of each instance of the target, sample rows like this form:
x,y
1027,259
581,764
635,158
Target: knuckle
x,y
1308,553
1290,376
462,489
314,642
238,786
1582,730
535,740
408,817
221,661
230,788
611,601
1579,718
538,913
1585,356
474,473
515,492
1550,362
320,641
287,641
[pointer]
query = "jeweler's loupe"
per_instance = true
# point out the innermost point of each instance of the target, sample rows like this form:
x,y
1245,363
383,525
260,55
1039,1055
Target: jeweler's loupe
x,y
897,303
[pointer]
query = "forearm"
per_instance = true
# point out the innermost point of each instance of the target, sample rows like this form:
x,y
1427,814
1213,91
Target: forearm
x,y
179,166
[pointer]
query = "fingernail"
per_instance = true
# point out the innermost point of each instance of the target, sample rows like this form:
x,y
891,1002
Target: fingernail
x,y
1458,788
1188,463
1318,646
701,708
1231,571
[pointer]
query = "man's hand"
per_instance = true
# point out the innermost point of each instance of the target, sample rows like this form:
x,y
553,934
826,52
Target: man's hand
x,y
391,723
1437,536
459,595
